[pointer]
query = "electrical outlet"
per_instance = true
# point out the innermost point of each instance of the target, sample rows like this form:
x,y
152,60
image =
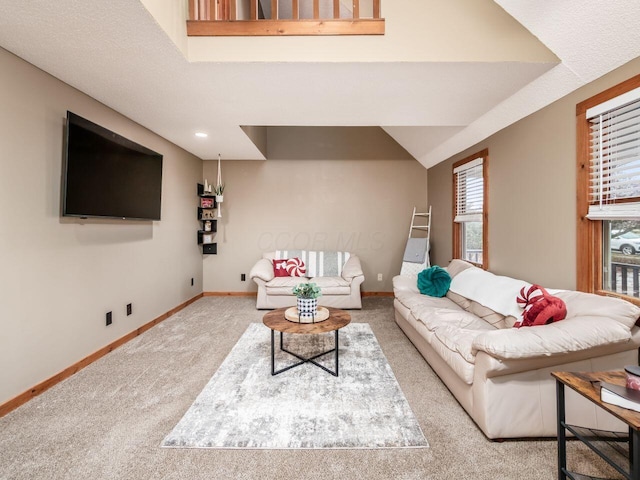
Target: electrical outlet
x,y
243,277
109,318
379,277
192,281
129,309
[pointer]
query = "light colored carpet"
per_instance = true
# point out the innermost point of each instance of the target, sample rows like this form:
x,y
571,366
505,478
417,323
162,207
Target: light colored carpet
x,y
243,406
108,420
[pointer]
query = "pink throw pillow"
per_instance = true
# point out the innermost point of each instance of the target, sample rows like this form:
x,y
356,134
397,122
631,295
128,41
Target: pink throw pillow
x,y
540,307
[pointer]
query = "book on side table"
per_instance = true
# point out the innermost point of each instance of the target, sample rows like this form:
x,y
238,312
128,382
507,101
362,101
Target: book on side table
x,y
620,395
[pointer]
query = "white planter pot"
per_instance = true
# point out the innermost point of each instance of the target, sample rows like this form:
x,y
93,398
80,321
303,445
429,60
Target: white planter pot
x,y
307,308
219,198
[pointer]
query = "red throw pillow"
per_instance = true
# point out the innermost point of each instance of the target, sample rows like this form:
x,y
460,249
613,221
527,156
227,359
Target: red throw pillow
x,y
280,268
296,268
539,309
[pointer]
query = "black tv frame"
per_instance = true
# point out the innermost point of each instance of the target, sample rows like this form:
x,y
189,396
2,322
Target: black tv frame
x,y
117,141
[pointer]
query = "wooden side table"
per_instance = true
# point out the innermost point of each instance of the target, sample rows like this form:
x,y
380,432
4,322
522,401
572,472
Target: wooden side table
x,y
620,451
276,321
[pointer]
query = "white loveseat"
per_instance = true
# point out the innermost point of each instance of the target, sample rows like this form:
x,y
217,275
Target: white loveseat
x,y
500,374
338,274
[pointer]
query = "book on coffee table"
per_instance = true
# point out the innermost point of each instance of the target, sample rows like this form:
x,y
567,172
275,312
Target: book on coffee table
x,y
620,395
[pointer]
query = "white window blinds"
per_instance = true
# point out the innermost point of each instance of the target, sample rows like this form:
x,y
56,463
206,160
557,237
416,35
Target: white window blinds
x,y
614,171
469,191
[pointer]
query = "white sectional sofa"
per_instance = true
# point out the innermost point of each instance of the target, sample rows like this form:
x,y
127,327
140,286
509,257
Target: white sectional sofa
x,y
500,374
338,274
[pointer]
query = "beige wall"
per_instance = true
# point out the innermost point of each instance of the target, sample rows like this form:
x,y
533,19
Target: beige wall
x,y
532,206
363,206
61,275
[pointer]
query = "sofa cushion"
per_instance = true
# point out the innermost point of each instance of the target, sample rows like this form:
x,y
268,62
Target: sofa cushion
x,y
458,340
456,266
581,304
415,301
405,283
452,345
485,313
569,335
436,318
283,285
332,285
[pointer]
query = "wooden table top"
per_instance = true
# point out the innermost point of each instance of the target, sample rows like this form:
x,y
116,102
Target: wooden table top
x,y
275,320
587,384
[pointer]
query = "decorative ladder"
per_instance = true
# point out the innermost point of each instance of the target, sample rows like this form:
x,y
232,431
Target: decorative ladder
x,y
416,244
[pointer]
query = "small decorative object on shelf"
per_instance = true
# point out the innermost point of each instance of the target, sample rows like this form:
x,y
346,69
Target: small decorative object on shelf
x,y
207,217
307,300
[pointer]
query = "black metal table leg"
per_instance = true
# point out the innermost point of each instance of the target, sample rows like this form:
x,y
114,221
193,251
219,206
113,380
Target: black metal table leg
x,y
302,359
273,355
337,350
634,452
562,434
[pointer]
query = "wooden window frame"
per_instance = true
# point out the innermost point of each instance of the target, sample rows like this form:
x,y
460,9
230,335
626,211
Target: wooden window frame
x,y
457,227
589,232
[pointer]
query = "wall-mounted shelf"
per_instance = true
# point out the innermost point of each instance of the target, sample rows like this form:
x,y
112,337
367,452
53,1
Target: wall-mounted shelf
x,y
208,221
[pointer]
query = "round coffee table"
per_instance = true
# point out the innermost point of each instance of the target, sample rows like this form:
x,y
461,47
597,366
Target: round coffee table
x,y
276,321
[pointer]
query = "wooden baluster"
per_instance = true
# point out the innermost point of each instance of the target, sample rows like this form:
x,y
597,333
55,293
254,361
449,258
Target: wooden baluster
x,y
295,10
212,9
356,9
224,9
254,9
199,10
376,8
192,9
233,13
316,9
274,10
336,8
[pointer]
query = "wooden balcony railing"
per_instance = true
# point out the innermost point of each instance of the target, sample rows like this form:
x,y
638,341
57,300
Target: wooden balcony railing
x,y
625,279
284,17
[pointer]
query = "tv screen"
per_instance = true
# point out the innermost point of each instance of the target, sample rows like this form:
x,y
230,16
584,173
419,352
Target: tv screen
x,y
106,175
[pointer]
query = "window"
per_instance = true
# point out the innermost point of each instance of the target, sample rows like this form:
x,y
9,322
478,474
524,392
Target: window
x,y
608,143
470,209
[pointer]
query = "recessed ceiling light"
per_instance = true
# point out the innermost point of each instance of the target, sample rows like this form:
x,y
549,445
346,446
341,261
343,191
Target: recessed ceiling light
x,y
201,135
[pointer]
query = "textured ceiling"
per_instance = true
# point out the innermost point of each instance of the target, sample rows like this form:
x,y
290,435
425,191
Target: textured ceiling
x,y
117,53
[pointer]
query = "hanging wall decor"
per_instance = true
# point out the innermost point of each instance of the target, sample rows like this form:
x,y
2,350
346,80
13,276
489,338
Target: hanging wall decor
x,y
219,189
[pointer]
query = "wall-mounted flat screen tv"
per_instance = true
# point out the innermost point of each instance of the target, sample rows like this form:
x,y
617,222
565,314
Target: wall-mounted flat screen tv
x,y
107,175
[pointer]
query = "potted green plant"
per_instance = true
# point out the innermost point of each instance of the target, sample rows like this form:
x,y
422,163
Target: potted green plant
x,y
218,190
307,299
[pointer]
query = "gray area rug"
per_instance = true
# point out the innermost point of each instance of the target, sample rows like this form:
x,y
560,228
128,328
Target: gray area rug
x,y
243,406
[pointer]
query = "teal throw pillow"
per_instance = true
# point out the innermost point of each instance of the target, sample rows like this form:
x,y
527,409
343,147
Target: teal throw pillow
x,y
434,281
